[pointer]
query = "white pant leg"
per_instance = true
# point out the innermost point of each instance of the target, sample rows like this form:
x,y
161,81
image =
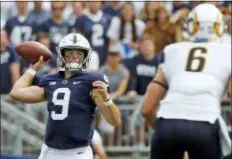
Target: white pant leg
x,y
88,154
77,153
43,151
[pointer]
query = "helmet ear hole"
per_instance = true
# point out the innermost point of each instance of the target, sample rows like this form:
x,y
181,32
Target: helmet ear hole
x,y
85,52
193,24
195,27
62,52
218,31
87,59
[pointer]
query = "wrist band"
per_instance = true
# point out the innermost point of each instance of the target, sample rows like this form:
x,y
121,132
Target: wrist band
x,y
31,71
108,102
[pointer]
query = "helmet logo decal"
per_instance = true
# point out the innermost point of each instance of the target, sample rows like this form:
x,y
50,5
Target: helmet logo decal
x,y
74,38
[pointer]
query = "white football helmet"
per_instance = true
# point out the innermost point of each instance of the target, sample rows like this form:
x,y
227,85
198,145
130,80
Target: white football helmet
x,y
205,23
73,41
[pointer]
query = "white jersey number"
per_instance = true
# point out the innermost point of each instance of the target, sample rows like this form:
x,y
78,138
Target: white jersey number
x,y
196,59
20,33
97,35
61,102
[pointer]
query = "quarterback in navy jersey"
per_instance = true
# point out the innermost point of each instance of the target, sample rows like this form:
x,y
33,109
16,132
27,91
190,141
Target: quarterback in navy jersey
x,y
72,95
93,25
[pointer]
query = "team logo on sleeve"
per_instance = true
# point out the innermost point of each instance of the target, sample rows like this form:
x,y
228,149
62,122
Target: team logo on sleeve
x,y
76,82
52,83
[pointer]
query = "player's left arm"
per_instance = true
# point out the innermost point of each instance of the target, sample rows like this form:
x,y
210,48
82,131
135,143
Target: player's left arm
x,y
22,89
107,107
156,91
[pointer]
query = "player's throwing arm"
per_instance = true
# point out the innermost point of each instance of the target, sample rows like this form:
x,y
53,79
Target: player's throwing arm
x,y
22,89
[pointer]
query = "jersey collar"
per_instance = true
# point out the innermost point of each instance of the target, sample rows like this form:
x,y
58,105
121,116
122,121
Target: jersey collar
x,y
61,74
94,18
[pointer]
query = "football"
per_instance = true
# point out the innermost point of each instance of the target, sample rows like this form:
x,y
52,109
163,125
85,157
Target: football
x,y
32,50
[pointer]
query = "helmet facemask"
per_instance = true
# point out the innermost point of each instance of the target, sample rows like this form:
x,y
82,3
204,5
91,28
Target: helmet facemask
x,y
76,45
73,59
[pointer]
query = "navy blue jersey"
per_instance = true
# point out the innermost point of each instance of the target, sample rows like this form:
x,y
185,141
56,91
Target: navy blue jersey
x,y
19,30
7,57
71,109
55,31
142,72
39,17
94,29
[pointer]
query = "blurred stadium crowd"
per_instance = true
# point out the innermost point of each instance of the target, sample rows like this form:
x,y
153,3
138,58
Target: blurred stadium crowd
x,y
127,38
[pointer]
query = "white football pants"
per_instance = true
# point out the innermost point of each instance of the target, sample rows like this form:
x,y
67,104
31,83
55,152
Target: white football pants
x,y
77,153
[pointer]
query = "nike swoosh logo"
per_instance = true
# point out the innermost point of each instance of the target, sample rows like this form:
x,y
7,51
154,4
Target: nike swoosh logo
x,y
76,82
80,152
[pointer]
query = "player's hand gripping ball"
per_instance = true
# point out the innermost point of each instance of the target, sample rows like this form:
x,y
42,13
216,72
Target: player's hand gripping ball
x,y
101,89
32,50
39,64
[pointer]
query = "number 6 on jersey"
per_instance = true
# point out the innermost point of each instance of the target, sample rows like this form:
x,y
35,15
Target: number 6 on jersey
x,y
196,59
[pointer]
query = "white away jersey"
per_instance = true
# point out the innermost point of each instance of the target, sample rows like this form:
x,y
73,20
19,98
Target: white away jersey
x,y
197,75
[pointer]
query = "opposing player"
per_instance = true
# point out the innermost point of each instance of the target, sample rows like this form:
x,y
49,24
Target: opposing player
x,y
192,80
72,95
